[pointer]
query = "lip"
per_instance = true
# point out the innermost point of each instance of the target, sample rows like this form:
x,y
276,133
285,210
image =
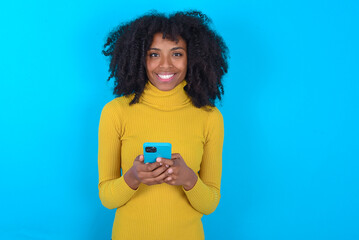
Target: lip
x,y
165,79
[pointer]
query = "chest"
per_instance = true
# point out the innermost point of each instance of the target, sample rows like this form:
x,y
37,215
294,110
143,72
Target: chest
x,y
185,130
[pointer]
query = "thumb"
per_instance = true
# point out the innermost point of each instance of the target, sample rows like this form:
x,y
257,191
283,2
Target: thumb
x,y
139,158
142,159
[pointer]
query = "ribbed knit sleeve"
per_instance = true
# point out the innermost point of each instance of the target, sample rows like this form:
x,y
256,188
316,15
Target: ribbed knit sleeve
x,y
205,195
113,190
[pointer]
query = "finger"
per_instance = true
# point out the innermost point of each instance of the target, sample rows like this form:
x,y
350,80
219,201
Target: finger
x,y
153,177
171,180
166,174
159,171
140,158
167,162
175,156
170,171
167,179
149,167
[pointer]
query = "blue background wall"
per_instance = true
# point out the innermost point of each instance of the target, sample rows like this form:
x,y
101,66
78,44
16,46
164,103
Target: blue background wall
x,y
290,162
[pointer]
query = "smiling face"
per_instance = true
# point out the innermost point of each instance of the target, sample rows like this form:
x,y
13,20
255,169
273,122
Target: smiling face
x,y
166,62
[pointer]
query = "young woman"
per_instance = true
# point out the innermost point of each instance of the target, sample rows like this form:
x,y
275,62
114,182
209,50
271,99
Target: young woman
x,y
168,73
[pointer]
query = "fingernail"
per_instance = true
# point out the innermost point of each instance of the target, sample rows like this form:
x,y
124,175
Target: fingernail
x,y
160,164
169,178
167,165
158,159
170,170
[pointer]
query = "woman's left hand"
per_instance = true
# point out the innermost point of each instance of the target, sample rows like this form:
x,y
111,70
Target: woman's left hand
x,y
179,173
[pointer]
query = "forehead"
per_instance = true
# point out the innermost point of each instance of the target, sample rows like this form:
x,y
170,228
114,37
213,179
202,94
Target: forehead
x,y
158,41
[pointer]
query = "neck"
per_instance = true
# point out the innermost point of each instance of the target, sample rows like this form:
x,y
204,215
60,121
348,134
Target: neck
x,y
165,100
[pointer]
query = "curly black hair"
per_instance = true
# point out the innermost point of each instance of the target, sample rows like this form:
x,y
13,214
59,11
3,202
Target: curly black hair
x,y
207,54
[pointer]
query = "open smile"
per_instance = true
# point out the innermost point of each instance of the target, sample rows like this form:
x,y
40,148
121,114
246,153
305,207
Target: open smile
x,y
165,77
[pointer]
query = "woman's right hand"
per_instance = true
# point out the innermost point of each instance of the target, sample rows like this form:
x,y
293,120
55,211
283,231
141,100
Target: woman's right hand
x,y
147,173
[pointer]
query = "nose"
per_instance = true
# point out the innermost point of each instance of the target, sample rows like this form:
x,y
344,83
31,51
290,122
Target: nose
x,y
166,61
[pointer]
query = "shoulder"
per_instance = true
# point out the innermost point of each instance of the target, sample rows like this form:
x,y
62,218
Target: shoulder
x,y
214,126
118,103
214,115
214,119
208,115
116,106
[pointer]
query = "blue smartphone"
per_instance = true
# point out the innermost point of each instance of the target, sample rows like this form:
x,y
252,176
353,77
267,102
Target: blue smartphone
x,y
153,150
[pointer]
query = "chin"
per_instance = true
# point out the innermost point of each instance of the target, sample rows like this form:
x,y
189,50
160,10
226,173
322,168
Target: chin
x,y
163,86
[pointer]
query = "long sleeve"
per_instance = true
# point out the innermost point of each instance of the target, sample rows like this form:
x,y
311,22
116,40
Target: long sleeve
x,y
113,190
205,195
158,211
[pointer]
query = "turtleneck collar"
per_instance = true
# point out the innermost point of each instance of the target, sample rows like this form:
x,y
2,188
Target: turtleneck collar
x,y
165,100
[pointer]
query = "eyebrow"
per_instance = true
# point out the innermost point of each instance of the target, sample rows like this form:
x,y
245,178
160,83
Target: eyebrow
x,y
173,49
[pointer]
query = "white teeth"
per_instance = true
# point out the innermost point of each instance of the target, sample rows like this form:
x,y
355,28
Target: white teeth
x,y
165,76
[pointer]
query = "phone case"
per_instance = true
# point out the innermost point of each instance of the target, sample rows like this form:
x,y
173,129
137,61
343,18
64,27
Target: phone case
x,y
153,150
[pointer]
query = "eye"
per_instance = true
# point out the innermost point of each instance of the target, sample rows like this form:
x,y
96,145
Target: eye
x,y
177,54
153,55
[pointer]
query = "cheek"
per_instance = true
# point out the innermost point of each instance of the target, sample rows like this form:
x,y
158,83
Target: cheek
x,y
185,69
150,65
183,66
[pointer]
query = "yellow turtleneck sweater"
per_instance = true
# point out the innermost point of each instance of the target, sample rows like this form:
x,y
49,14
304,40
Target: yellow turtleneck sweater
x,y
162,211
